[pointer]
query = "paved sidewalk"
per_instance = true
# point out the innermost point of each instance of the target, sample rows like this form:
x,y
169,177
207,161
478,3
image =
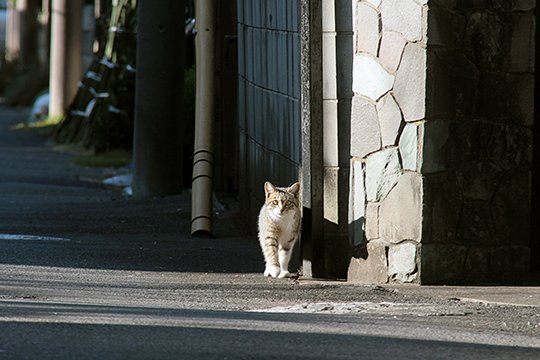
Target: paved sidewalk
x,y
87,273
45,194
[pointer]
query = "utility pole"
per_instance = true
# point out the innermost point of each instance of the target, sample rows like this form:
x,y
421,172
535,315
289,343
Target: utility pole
x,y
65,64
22,31
159,85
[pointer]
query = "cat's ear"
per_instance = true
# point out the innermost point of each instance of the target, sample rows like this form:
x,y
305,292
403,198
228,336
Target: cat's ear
x,y
269,188
294,189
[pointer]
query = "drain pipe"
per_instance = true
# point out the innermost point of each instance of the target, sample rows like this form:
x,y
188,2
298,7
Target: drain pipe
x,y
203,157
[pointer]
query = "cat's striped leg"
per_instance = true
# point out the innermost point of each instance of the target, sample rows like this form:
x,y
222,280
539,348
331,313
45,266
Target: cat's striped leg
x,y
284,258
270,249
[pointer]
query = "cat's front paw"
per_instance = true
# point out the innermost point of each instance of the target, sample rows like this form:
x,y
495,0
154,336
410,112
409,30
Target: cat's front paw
x,y
272,270
284,274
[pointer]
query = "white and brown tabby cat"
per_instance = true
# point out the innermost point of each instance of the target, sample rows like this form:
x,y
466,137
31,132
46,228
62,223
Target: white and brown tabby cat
x,y
279,227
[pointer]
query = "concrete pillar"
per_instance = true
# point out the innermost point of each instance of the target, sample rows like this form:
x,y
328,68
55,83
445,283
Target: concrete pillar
x,y
158,99
311,175
13,32
65,63
21,31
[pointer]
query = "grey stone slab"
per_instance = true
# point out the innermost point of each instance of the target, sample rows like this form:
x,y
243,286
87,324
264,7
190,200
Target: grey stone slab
x,y
382,173
435,140
370,79
389,119
402,262
442,263
375,3
400,214
522,43
410,86
409,144
372,269
365,132
357,203
367,29
372,220
404,17
391,49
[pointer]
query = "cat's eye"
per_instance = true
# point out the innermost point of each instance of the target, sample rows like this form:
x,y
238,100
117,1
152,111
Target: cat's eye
x,y
275,202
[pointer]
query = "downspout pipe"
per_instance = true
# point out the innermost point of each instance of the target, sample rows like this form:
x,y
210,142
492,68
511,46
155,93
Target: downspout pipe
x,y
203,157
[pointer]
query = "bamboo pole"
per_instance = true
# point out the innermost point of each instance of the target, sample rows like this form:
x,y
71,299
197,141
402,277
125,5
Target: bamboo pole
x,y
203,157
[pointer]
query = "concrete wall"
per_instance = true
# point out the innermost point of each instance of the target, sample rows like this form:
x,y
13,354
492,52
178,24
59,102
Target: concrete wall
x,y
269,97
441,140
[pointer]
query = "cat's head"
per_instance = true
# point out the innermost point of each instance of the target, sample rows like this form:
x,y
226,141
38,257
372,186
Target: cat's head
x,y
279,200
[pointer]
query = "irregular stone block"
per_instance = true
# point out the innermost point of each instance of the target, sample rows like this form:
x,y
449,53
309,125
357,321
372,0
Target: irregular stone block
x,y
375,3
476,226
392,45
400,214
484,39
511,208
478,181
389,119
514,5
522,43
410,86
402,262
452,84
372,221
370,78
404,17
367,29
445,28
365,131
434,146
442,208
477,265
509,263
357,203
442,263
382,172
372,269
409,146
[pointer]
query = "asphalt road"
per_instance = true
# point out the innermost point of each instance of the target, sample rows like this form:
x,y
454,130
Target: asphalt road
x,y
100,276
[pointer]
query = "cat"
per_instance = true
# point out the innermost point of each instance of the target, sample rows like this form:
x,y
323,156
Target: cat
x,y
279,227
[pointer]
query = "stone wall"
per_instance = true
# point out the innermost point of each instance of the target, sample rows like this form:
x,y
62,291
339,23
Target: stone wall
x,y
478,141
269,93
387,122
441,140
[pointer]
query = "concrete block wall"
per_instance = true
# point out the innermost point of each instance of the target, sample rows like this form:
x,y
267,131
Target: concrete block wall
x,y
269,97
441,140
